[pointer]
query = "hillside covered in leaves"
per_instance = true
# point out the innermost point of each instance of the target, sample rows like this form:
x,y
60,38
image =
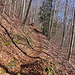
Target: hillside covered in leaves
x,y
26,51
37,37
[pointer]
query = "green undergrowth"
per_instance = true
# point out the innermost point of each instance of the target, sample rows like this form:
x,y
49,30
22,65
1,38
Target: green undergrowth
x,y
18,74
18,40
12,63
22,40
5,43
51,68
2,71
19,37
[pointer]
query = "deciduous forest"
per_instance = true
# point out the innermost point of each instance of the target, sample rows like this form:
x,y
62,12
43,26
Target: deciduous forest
x,y
37,37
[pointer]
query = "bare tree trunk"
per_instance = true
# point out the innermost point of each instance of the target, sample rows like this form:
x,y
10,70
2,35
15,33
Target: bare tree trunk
x,y
50,20
57,13
14,8
24,21
19,8
4,7
72,38
21,12
24,9
10,6
64,24
69,34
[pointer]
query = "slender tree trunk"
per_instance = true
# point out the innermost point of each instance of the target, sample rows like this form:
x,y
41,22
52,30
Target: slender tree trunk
x,y
24,21
50,20
10,6
14,8
72,38
69,35
64,24
24,9
57,14
4,7
18,7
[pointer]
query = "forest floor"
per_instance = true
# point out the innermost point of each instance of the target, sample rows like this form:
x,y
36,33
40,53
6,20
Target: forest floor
x,y
26,51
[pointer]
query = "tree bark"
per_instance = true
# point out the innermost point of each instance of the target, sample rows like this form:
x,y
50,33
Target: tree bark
x,y
24,21
64,25
50,20
72,38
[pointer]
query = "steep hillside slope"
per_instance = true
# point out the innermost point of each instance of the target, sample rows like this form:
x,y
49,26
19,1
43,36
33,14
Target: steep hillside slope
x,y
26,51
